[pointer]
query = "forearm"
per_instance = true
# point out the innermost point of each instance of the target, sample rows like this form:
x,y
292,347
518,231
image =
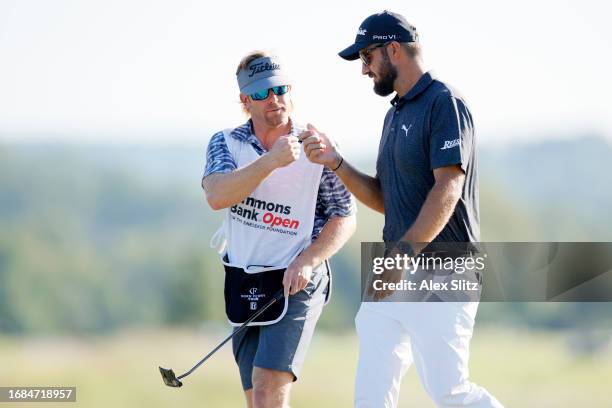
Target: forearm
x,y
435,213
336,232
364,187
226,189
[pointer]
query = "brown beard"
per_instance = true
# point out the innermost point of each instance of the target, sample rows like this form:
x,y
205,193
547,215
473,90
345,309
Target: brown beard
x,y
387,76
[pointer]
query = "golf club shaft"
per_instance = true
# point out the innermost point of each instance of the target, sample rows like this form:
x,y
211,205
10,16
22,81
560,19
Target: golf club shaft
x,y
279,295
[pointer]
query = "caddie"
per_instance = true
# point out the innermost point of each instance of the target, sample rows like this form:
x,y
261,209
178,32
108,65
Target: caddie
x,y
284,218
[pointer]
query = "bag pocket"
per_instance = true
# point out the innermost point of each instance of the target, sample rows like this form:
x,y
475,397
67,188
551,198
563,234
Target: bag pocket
x,y
245,293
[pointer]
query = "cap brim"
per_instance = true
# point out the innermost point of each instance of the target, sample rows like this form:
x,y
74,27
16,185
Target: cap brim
x,y
265,83
351,53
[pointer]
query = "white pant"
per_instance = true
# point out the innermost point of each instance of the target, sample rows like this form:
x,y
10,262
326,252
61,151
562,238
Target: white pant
x,y
435,335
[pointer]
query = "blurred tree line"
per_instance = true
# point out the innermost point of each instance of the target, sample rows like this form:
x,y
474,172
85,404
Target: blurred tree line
x,y
97,237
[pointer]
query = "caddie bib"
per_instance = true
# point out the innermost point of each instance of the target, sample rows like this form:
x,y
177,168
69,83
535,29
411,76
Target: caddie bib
x,y
269,228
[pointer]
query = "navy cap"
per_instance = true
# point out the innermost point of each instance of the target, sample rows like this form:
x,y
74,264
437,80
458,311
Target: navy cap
x,y
380,28
262,73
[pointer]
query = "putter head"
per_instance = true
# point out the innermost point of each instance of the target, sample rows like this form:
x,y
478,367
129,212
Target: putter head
x,y
169,377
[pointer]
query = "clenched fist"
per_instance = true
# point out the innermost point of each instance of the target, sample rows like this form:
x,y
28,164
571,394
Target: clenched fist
x,y
319,149
285,151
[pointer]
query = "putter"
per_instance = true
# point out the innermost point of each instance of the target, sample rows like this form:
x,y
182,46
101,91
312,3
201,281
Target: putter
x,y
171,380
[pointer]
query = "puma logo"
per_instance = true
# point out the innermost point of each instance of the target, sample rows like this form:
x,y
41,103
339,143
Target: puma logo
x,y
406,129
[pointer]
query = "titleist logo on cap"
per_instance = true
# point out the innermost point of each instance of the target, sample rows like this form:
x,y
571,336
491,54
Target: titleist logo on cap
x,y
261,67
262,73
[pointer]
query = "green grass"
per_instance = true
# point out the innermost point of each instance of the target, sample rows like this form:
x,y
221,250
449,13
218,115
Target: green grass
x,y
523,369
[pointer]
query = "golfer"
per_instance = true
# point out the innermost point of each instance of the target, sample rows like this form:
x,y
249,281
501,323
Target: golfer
x,y
427,187
282,211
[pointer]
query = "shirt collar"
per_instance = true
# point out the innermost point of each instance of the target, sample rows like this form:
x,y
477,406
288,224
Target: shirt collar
x,y
246,134
424,81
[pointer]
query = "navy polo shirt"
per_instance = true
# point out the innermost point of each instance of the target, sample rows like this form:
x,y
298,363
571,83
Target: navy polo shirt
x,y
428,128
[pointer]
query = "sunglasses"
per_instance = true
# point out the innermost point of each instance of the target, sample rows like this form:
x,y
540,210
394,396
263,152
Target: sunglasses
x,y
263,94
365,54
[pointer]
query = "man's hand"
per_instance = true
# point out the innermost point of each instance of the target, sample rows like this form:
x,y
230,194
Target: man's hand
x,y
296,277
388,276
319,149
393,275
284,151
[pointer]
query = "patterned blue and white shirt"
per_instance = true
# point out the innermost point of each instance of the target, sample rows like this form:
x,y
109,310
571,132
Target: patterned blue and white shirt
x,y
333,198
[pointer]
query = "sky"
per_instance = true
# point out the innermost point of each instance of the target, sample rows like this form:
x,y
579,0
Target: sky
x,y
164,71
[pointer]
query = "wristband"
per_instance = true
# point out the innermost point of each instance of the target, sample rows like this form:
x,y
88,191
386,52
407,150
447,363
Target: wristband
x,y
404,247
339,164
398,248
